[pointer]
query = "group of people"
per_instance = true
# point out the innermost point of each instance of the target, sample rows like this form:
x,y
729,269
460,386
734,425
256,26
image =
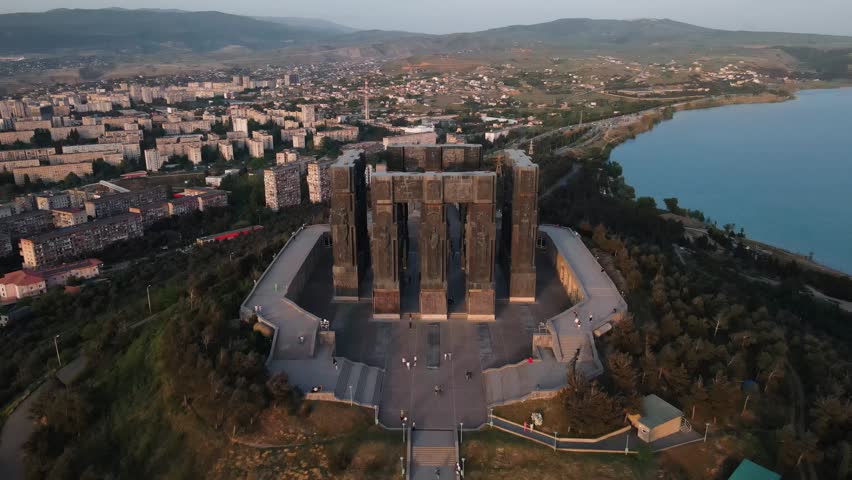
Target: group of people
x,y
577,319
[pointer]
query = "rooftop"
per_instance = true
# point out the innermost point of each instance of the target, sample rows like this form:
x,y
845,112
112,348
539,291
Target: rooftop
x,y
749,470
656,411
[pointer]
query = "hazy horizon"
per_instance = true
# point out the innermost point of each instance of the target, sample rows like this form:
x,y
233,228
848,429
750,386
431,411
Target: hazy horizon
x,y
441,16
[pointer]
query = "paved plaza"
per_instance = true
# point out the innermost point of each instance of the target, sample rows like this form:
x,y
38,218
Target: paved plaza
x,y
474,365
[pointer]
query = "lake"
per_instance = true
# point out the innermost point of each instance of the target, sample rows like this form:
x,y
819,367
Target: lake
x,y
782,171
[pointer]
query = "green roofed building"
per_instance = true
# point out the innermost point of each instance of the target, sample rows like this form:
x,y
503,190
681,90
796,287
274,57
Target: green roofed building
x,y
749,470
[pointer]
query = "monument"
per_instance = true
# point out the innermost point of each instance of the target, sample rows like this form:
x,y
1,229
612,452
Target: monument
x,y
348,223
430,193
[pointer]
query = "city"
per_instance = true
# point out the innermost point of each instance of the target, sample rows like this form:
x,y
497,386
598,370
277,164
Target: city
x,y
422,260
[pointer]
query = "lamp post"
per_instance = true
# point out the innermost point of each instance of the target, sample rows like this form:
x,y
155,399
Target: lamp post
x,y
461,432
706,429
148,292
491,416
403,432
56,345
627,443
350,395
555,434
462,472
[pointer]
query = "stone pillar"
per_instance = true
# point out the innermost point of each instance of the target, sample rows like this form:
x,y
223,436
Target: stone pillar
x,y
348,222
433,250
520,227
480,236
385,248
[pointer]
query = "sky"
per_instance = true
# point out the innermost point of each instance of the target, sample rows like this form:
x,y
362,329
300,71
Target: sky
x,y
445,16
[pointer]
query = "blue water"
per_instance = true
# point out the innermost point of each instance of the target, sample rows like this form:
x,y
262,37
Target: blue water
x,y
781,171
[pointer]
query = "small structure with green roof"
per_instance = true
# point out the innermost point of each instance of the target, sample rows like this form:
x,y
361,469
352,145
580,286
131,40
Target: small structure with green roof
x,y
749,470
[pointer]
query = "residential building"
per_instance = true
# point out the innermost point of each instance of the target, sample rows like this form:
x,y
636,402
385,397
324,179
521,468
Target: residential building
x,y
51,173
309,113
153,160
27,223
345,133
226,150
255,148
27,283
194,155
182,205
286,156
68,217
50,201
282,186
319,181
57,246
425,138
300,141
151,213
212,199
264,137
118,203
240,124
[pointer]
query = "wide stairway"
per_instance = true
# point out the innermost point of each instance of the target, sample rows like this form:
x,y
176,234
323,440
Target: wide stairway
x,y
433,455
359,383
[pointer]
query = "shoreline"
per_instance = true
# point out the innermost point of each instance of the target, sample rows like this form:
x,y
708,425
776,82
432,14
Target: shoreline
x,y
658,115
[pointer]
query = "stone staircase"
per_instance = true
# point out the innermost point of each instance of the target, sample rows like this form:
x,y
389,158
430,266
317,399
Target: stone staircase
x,y
433,452
359,383
433,456
570,341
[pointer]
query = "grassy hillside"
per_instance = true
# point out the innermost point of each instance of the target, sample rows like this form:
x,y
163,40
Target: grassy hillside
x,y
140,31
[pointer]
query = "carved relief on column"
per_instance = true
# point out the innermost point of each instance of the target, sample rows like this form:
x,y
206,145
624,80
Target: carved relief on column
x,y
433,250
480,236
384,248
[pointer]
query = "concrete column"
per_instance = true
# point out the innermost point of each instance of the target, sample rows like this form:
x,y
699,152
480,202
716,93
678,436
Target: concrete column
x,y
480,239
385,246
433,251
348,222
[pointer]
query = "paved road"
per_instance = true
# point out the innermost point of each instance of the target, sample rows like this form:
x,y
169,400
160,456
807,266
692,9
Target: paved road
x,y
16,432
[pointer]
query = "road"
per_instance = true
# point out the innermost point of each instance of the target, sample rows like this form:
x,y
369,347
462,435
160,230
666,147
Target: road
x,y
16,432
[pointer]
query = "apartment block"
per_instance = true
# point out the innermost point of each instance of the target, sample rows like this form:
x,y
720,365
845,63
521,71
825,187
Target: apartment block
x,y
426,138
300,141
86,132
319,181
51,173
151,213
68,217
9,165
212,199
282,186
255,148
50,201
194,155
64,244
26,154
153,160
345,133
309,113
109,205
240,124
264,137
286,156
17,136
27,223
226,150
182,206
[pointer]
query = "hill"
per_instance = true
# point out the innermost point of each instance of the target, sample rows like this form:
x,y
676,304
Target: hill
x,y
320,25
141,31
